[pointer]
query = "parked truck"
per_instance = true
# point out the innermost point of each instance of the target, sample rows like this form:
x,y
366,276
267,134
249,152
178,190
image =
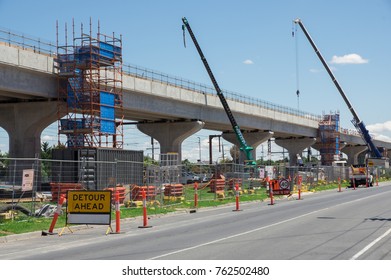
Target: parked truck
x,y
360,175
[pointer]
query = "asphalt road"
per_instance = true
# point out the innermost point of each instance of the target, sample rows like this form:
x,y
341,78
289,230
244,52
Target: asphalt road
x,y
330,225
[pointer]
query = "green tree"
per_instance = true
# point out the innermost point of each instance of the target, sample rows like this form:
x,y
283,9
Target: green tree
x,y
46,153
149,161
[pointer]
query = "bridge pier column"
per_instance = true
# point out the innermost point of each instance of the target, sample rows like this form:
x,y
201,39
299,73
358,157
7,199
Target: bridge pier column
x,y
24,123
170,135
353,152
295,146
253,139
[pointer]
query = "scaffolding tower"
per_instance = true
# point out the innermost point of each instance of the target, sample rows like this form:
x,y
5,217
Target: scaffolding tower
x,y
90,82
330,136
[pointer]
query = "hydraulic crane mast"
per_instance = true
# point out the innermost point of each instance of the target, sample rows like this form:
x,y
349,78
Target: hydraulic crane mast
x,y
356,120
243,145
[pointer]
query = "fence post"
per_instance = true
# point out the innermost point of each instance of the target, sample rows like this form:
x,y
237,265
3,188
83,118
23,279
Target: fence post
x,y
367,180
195,194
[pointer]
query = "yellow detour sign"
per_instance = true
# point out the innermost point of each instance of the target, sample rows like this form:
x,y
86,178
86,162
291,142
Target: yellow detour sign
x,y
89,207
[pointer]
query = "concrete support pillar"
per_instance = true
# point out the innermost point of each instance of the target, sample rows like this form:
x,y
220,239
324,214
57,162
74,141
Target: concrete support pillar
x,y
24,123
253,139
170,135
353,152
295,146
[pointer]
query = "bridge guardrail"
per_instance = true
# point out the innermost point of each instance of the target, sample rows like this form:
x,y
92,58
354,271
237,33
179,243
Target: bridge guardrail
x,y
27,42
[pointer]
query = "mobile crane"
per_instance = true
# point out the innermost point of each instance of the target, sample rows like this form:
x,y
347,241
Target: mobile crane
x,y
243,145
359,124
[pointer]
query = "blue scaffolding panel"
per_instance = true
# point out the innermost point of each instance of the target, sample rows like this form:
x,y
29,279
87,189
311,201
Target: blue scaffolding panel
x,y
107,126
107,98
109,50
107,113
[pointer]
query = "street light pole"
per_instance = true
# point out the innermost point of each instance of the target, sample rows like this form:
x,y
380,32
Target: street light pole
x,y
199,148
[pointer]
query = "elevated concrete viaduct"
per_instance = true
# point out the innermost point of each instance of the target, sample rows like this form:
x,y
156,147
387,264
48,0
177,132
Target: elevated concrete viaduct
x,y
28,99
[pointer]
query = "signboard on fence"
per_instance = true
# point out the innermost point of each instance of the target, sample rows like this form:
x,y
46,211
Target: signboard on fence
x,y
28,179
89,207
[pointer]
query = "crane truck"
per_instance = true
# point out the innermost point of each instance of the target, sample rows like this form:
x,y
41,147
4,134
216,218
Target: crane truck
x,y
357,175
243,145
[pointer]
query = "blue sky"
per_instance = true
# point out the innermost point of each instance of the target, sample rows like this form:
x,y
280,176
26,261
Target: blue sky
x,y
249,46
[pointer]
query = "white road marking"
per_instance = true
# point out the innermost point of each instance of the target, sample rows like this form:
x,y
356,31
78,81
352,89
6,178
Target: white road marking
x,y
237,235
370,245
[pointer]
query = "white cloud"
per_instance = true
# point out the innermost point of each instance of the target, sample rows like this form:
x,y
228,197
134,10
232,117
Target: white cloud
x,y
248,62
46,138
380,130
380,127
352,58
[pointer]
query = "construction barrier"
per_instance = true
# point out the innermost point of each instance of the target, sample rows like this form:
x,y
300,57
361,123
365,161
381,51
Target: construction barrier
x,y
121,193
57,189
56,214
339,184
145,217
237,197
299,181
232,183
136,193
117,212
270,189
217,185
173,190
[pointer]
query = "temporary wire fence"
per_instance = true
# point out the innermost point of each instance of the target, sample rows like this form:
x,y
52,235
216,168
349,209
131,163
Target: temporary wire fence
x,y
165,186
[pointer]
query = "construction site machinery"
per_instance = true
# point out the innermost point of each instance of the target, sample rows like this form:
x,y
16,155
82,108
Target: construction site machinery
x,y
360,175
359,124
243,145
